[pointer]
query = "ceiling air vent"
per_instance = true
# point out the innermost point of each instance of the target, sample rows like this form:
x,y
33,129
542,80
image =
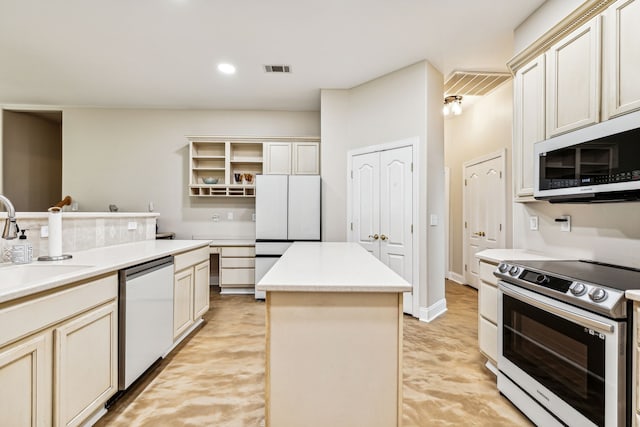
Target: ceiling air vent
x,y
277,68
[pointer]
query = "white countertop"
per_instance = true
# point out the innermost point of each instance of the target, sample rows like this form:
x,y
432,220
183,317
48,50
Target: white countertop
x,y
497,255
97,261
330,267
223,241
633,295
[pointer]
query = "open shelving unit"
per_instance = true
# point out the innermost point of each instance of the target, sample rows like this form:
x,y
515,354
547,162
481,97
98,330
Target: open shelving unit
x,y
225,159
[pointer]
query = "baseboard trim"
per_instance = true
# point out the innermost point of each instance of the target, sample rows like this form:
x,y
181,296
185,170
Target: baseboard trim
x,y
455,277
237,291
427,314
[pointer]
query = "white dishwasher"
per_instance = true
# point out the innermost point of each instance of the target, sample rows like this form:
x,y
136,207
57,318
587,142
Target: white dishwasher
x,y
145,317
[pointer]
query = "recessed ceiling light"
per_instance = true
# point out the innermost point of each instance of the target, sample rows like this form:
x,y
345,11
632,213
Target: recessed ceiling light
x,y
226,68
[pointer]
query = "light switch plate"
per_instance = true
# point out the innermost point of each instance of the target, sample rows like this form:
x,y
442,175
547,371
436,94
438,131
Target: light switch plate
x,y
433,219
230,216
132,225
44,231
533,223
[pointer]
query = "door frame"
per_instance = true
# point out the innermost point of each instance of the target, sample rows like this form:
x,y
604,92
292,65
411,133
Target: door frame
x,y
502,154
414,143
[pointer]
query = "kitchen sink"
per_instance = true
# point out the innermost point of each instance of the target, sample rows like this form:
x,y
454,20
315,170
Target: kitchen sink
x,y
13,274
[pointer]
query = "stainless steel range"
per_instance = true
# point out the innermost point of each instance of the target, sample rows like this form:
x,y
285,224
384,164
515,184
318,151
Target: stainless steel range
x,y
563,342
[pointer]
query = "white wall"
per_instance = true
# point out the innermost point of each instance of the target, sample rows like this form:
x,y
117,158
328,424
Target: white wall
x,y
133,157
483,128
399,105
539,22
604,232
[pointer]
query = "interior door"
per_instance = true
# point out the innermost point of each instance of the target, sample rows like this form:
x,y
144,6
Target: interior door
x,y
382,209
396,214
484,211
366,201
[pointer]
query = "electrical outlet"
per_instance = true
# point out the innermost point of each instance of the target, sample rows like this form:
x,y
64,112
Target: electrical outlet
x,y
230,216
533,223
151,207
44,231
215,217
132,225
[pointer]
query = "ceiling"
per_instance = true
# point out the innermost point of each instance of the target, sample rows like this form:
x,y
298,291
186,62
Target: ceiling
x,y
164,53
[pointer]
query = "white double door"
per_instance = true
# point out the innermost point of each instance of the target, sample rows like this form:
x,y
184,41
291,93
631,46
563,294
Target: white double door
x,y
484,206
382,209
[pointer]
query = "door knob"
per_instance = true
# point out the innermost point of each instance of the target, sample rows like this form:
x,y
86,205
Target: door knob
x,y
374,237
383,237
482,234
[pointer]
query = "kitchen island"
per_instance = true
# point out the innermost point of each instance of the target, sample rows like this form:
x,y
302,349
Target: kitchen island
x,y
334,338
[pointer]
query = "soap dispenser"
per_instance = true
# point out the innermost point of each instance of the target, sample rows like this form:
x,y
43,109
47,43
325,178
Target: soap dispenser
x,y
22,252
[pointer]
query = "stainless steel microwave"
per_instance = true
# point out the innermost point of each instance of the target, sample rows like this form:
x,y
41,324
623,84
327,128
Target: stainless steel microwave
x,y
599,163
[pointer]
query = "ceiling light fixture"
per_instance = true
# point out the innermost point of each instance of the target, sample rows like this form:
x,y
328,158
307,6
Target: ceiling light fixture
x,y
226,68
452,105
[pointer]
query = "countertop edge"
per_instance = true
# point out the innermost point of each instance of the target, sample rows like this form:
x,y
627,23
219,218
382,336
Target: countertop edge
x,y
171,247
633,295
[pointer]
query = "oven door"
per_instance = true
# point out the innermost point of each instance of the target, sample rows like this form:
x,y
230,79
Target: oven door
x,y
571,361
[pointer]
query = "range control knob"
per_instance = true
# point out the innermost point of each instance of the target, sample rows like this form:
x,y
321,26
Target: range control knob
x,y
502,268
514,270
578,289
598,295
541,279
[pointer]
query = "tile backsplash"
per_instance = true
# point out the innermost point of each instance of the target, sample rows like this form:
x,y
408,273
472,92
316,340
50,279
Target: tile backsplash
x,y
82,231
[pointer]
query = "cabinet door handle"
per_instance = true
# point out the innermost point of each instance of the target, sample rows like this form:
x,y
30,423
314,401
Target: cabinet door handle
x,y
479,234
374,237
383,237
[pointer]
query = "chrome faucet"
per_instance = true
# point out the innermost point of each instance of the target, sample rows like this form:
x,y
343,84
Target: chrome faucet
x,y
10,225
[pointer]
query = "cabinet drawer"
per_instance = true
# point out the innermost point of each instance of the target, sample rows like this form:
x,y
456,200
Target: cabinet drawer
x,y
187,259
238,251
486,272
237,262
237,276
488,301
488,339
24,318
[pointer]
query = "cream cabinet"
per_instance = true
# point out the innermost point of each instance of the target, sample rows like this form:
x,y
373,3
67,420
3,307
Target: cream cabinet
x,y
58,354
488,312
297,158
191,290
622,58
573,79
237,269
529,123
25,382
233,163
85,364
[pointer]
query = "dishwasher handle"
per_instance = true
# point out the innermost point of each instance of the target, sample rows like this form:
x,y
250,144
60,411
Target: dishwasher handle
x,y
147,267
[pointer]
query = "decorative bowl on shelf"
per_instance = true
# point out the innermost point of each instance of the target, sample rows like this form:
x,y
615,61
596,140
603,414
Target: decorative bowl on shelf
x,y
210,180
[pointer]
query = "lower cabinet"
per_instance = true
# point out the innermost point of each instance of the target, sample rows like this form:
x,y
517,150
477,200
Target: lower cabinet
x,y
191,289
25,382
488,312
86,348
58,355
237,269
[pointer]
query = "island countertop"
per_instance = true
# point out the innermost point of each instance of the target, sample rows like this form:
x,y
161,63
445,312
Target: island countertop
x,y
331,267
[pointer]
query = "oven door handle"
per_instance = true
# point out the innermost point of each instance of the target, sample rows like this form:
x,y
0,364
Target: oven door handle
x,y
576,318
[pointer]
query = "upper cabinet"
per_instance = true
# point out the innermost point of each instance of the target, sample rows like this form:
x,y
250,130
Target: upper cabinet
x,y
529,122
581,72
292,158
227,166
622,58
573,80
221,167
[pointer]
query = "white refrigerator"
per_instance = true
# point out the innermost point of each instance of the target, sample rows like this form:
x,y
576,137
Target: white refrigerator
x,y
287,210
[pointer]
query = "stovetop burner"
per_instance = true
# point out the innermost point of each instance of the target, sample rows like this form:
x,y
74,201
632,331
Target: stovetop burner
x,y
595,286
599,273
